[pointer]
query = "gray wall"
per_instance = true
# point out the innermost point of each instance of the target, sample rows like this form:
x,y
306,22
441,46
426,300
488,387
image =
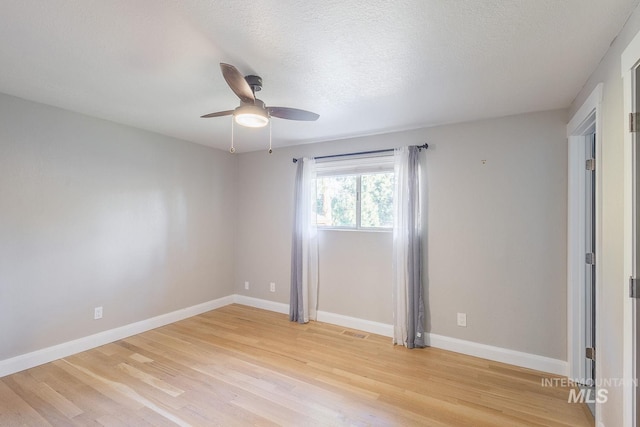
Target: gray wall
x,y
497,232
496,245
356,264
611,168
97,214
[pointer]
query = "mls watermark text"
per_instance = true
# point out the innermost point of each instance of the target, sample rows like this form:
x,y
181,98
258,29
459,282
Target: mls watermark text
x,y
586,390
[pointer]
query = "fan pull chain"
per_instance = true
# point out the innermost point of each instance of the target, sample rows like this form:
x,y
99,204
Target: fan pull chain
x,y
270,150
232,150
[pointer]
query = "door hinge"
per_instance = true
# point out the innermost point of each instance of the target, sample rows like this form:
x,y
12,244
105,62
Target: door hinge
x,y
634,288
590,353
633,122
591,164
590,258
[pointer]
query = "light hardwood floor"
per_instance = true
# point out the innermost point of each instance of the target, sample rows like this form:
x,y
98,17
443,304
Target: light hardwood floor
x,y
243,366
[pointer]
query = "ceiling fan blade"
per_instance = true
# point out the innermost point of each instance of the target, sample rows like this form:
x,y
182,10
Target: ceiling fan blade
x,y
292,114
218,114
237,83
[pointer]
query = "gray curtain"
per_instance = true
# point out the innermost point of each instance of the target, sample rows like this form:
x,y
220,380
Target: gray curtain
x,y
415,300
407,251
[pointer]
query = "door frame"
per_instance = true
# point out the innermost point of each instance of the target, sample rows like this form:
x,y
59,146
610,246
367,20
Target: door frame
x,y
629,62
584,122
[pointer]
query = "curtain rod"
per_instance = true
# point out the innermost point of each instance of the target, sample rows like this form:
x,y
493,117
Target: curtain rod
x,y
425,146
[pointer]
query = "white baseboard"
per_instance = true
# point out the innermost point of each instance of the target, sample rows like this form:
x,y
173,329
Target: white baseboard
x,y
355,323
49,354
264,304
499,354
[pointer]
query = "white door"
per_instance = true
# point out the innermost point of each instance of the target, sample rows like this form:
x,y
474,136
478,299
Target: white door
x,y
636,251
590,260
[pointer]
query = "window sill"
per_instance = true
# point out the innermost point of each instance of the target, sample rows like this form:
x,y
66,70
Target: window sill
x,y
360,230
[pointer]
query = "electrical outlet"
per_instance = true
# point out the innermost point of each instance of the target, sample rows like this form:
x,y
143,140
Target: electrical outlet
x,y
272,286
462,319
246,285
97,313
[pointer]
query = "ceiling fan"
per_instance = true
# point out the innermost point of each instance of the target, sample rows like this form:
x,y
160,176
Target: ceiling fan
x,y
252,111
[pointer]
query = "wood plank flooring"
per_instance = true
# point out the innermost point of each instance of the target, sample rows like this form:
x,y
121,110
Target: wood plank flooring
x,y
239,366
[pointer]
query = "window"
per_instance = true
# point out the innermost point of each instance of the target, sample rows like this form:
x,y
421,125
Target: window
x,y
355,193
337,201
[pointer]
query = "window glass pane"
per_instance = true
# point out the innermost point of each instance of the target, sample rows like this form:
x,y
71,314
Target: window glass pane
x,y
376,208
336,201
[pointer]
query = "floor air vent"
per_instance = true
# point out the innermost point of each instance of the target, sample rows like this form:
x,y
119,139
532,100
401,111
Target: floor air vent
x,y
355,334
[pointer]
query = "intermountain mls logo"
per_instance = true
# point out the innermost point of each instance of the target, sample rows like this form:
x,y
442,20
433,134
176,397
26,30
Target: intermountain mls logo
x,y
578,393
588,395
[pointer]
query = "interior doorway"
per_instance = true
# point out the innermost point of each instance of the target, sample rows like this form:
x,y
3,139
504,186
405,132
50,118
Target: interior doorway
x,y
583,241
634,281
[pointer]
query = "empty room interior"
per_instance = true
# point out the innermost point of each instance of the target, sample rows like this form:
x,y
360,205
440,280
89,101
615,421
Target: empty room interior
x,y
412,212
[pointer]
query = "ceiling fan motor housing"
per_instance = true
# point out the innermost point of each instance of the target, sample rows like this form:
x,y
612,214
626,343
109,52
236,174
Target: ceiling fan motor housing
x,y
257,105
255,82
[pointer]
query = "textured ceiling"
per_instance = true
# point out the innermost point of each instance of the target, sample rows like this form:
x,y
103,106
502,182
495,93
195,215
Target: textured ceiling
x,y
366,66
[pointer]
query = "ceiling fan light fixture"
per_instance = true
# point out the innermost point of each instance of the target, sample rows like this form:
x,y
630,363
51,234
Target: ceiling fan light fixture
x,y
251,116
251,120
